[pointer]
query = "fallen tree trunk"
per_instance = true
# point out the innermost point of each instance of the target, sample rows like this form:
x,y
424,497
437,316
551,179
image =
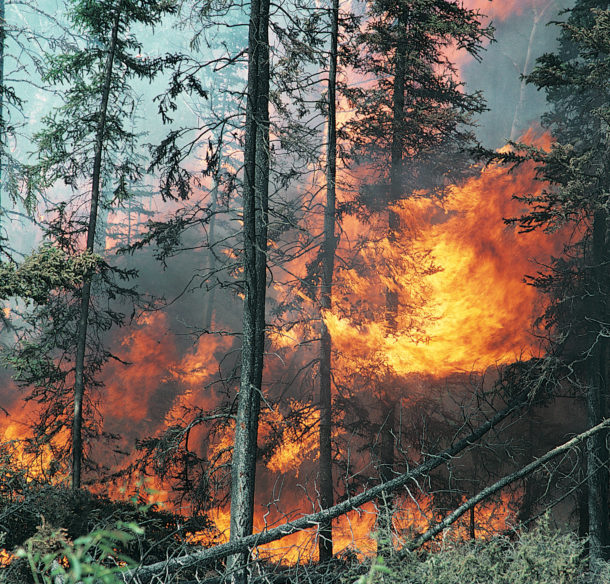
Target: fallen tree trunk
x,y
322,517
503,482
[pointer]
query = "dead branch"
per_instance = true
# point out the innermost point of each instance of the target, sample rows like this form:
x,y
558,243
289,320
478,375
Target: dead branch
x,y
315,519
503,482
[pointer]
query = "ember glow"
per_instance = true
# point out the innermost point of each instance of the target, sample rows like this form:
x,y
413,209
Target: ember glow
x,y
478,314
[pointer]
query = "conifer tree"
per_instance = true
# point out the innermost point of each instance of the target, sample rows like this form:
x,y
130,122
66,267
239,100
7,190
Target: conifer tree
x,y
88,145
411,126
328,262
255,224
576,80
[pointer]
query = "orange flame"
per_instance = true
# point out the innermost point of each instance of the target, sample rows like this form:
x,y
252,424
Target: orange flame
x,y
479,310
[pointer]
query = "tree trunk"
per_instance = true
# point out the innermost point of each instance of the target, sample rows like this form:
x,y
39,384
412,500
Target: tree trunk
x,y
396,163
208,315
81,335
597,450
2,91
328,265
384,522
255,211
516,126
529,492
147,573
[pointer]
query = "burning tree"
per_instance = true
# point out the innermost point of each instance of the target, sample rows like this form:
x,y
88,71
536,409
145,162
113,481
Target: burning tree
x,y
86,145
431,296
411,117
255,218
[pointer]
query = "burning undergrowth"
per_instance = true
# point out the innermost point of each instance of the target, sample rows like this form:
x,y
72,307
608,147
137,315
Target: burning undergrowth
x,y
464,312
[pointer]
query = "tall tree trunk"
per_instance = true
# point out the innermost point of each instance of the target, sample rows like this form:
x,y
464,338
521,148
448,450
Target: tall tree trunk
x,y
81,335
384,522
597,449
208,315
516,126
255,212
2,121
396,163
328,266
529,492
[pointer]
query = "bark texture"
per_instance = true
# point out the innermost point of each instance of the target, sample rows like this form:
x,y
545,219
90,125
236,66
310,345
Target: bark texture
x,y
81,340
596,380
384,521
328,265
255,219
2,90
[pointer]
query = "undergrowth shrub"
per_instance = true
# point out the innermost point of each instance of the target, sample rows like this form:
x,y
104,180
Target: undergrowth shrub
x,y
541,556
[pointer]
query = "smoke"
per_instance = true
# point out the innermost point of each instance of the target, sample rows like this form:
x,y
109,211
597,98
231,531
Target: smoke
x,y
481,309
524,31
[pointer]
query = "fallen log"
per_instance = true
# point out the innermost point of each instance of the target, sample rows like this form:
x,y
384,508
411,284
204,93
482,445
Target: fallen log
x,y
145,573
503,482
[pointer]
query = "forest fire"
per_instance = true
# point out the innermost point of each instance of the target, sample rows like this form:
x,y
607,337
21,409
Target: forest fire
x,y
277,316
478,309
478,316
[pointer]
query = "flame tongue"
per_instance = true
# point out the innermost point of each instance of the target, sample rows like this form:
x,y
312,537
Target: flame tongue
x,y
479,308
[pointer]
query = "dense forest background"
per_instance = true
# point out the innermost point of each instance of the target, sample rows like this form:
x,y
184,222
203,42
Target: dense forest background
x,y
333,274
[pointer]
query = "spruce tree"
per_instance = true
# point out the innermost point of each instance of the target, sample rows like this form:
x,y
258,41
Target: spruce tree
x,y
576,80
255,224
87,143
411,127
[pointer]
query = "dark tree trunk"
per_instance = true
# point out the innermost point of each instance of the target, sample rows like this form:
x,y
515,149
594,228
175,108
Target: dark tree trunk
x,y
396,162
529,494
256,167
81,335
472,526
2,91
208,315
384,523
596,373
328,264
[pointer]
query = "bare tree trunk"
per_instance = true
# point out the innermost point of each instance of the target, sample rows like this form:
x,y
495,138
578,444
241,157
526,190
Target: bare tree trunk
x,y
396,163
384,521
81,335
529,495
256,164
208,315
328,265
472,527
2,91
597,451
516,125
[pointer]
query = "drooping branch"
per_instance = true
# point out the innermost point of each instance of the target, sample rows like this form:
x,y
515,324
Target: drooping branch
x,y
323,517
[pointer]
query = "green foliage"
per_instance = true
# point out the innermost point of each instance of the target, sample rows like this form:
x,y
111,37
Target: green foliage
x,y
48,523
424,119
46,269
542,556
576,80
67,141
378,567
91,558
